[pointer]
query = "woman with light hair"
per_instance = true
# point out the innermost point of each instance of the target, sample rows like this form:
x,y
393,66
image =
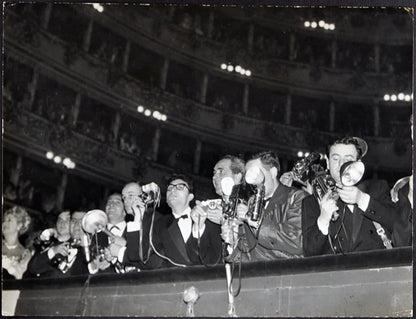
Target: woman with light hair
x,y
15,257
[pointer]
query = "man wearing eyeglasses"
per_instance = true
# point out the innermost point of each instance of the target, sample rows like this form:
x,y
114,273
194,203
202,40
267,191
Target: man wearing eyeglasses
x,y
178,241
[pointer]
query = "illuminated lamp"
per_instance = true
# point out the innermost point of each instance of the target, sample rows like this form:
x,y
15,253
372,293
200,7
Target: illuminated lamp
x,y
140,109
49,155
407,98
314,24
300,154
223,66
230,68
393,97
307,24
67,162
321,23
147,112
332,26
57,159
386,97
248,73
237,68
401,96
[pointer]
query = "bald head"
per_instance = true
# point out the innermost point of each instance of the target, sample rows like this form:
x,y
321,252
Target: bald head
x,y
131,192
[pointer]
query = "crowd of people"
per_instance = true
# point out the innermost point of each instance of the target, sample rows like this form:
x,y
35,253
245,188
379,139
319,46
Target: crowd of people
x,y
260,214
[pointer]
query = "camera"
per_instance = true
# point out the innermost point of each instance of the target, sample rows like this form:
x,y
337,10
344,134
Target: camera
x,y
151,194
304,168
212,204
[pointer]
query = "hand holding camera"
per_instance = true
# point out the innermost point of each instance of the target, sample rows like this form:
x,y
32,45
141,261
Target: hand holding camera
x,y
328,207
198,216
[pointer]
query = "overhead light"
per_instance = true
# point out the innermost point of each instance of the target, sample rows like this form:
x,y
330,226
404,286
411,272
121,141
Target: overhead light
x,y
230,68
393,97
140,109
223,66
407,97
314,24
248,73
67,161
401,96
306,154
307,24
57,159
332,26
147,112
300,154
321,23
49,155
386,97
237,68
164,117
156,115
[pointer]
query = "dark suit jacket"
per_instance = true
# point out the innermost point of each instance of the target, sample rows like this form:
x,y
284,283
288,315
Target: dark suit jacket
x,y
132,256
41,266
402,231
170,243
351,231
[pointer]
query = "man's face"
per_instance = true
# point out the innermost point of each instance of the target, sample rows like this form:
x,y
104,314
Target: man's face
x,y
114,209
62,224
177,194
223,169
131,194
269,175
338,155
76,225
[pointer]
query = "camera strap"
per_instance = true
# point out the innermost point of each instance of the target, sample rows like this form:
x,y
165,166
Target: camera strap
x,y
381,232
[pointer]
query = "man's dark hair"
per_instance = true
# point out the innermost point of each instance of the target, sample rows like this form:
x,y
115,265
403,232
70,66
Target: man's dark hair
x,y
269,159
237,164
186,178
348,140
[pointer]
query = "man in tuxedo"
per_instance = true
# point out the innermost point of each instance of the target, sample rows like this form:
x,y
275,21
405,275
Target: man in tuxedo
x,y
60,252
111,250
360,219
139,251
178,238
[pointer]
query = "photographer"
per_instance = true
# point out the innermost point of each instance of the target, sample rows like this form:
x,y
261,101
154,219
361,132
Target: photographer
x,y
60,252
277,234
179,239
346,224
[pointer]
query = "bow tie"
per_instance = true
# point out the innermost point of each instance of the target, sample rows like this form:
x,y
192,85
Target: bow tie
x,y
182,217
114,227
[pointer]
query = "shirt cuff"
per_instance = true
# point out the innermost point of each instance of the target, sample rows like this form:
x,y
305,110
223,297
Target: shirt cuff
x,y
323,227
50,254
196,233
133,226
121,252
364,202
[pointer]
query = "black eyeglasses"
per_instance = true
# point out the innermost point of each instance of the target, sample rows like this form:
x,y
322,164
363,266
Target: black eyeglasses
x,y
179,187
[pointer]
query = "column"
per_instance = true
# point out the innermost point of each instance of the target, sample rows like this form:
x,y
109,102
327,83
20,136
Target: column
x,y
334,53
171,13
332,116
210,24
155,144
204,88
75,109
16,172
87,36
60,196
288,109
126,56
377,57
376,115
116,128
32,89
197,156
250,37
46,15
292,47
245,98
164,75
